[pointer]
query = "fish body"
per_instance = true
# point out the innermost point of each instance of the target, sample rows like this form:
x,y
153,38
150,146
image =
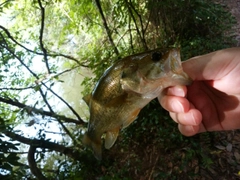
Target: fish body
x,y
125,88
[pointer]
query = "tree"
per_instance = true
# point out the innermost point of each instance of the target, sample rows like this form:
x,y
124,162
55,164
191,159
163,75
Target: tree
x,y
42,41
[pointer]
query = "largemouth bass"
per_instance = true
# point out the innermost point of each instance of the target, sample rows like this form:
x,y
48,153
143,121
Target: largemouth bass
x,y
125,88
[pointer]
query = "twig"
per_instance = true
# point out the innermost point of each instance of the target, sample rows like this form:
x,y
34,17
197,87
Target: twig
x,y
71,152
55,75
17,89
47,65
154,166
59,120
41,36
141,35
69,57
19,59
40,111
35,75
50,132
5,2
106,26
53,54
140,18
33,165
70,107
130,34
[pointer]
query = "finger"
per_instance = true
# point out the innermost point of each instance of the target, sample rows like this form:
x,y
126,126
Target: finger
x,y
174,104
188,130
191,118
210,66
178,90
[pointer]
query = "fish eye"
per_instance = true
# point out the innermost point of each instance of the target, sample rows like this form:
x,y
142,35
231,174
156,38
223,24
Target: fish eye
x,y
156,56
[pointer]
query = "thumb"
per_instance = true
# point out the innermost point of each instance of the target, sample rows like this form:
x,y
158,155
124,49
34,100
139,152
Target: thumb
x,y
211,66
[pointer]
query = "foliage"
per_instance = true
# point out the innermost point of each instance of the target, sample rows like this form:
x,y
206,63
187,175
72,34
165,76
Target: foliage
x,y
42,42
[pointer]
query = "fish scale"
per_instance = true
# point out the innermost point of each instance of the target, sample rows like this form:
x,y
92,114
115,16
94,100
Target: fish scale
x,y
125,88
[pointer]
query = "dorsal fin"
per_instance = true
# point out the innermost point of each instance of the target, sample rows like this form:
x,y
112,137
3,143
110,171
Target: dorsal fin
x,y
87,98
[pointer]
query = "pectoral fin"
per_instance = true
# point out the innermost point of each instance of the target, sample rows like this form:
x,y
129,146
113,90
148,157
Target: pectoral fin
x,y
111,137
134,83
117,100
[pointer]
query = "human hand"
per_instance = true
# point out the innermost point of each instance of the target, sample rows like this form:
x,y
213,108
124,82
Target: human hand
x,y
211,102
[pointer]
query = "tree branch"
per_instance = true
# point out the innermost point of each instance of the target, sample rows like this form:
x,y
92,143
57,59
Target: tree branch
x,y
19,59
73,111
141,35
59,120
45,100
140,18
40,111
38,81
68,57
53,54
17,89
106,26
70,152
33,165
36,76
41,37
5,2
130,34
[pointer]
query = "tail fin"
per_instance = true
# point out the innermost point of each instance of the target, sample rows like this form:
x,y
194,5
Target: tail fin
x,y
95,145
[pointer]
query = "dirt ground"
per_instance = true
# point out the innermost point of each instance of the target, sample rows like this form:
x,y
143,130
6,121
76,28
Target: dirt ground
x,y
225,156
234,6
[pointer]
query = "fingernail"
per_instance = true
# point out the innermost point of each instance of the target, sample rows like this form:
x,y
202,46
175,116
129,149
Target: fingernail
x,y
177,106
180,92
194,119
176,91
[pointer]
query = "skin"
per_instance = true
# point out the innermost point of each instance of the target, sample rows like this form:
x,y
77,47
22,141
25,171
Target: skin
x,y
212,101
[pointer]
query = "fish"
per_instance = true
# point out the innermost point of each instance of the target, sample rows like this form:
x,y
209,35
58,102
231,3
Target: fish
x,y
125,88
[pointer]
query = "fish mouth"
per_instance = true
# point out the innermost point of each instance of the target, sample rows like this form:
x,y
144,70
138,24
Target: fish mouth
x,y
182,78
176,66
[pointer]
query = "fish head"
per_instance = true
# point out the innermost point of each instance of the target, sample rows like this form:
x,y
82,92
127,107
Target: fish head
x,y
161,63
153,71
